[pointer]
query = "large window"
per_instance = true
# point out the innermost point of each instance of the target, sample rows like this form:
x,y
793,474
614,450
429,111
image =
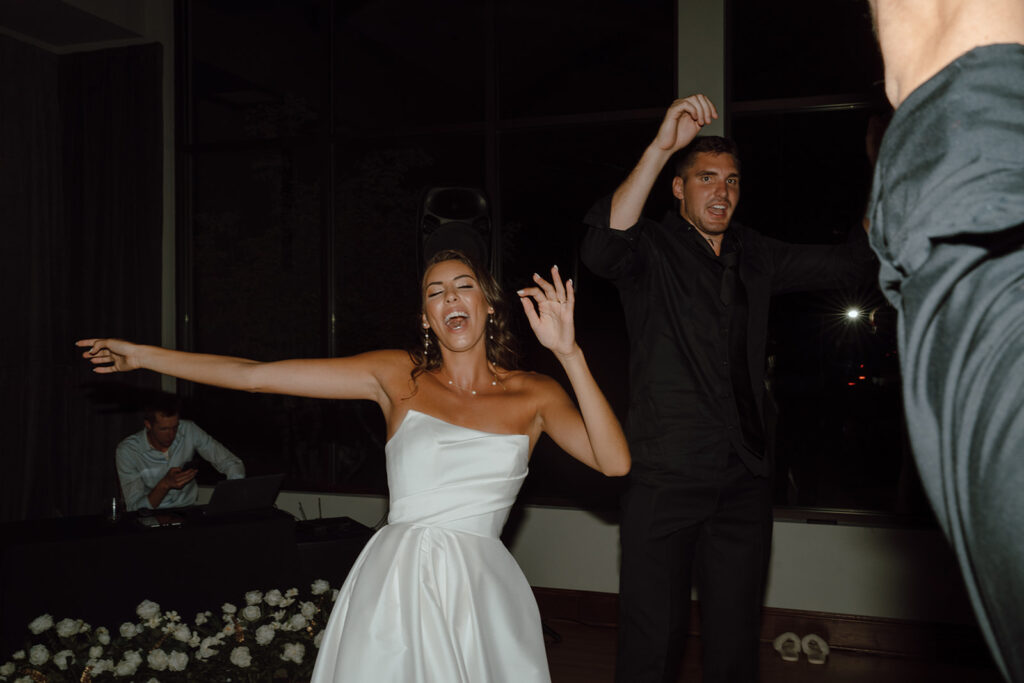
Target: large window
x,y
310,129
806,104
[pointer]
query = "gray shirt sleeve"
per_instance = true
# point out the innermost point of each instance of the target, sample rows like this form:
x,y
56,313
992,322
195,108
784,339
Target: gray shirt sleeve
x,y
211,450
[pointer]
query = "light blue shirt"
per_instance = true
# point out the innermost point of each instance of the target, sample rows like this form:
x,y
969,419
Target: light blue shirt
x,y
140,466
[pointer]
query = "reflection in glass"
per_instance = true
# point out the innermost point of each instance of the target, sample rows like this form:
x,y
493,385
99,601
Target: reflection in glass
x,y
257,284
258,69
405,65
559,58
802,48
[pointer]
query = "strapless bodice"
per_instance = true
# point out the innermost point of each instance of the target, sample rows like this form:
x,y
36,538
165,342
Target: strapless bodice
x,y
444,475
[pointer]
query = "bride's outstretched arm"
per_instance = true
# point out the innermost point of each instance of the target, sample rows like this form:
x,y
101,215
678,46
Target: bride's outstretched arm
x,y
352,377
591,434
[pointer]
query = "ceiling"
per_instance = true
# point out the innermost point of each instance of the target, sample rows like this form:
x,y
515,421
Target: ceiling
x,y
57,26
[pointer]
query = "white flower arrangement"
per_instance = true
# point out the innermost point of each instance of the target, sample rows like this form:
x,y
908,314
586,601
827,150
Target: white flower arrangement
x,y
61,659
157,660
240,657
265,634
147,610
248,645
40,624
38,655
294,652
273,598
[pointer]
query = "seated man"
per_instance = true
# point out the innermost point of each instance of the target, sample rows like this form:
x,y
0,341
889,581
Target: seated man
x,y
153,465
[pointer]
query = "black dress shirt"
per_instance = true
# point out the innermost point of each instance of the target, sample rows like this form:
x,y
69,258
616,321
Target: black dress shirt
x,y
947,220
698,326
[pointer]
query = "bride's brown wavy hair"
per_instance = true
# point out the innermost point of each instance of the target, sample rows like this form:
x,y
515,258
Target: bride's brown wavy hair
x,y
499,342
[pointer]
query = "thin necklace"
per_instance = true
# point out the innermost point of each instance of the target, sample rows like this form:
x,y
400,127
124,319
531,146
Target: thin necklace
x,y
471,390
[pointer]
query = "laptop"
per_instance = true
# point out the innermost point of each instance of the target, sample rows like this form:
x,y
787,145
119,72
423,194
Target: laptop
x,y
232,496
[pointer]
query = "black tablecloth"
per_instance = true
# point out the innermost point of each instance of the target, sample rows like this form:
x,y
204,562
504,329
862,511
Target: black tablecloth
x,y
92,569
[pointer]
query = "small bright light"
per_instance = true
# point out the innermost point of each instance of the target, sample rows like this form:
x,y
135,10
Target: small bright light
x,y
853,313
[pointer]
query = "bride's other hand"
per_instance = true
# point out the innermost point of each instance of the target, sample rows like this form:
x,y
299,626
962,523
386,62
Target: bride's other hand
x,y
110,355
549,308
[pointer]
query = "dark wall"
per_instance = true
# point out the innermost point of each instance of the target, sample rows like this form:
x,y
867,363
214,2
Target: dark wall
x,y
80,206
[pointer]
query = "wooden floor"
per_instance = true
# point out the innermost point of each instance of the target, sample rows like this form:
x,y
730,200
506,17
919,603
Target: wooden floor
x,y
586,654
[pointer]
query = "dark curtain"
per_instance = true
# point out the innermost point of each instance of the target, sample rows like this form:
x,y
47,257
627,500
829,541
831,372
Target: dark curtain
x,y
80,209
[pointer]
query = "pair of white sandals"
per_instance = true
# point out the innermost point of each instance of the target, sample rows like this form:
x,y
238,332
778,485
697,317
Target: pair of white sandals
x,y
789,645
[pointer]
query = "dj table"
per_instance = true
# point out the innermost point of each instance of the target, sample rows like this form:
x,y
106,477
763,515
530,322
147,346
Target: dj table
x,y
93,569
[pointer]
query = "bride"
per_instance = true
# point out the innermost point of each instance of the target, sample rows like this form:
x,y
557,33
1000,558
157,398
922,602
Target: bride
x,y
435,595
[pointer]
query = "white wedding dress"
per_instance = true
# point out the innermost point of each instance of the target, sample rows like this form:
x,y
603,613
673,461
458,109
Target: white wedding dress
x,y
435,595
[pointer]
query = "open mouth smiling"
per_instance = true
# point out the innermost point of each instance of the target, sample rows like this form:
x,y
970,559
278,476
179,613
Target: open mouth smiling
x,y
456,320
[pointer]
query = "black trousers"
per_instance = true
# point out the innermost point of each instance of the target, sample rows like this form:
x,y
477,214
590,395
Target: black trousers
x,y
716,528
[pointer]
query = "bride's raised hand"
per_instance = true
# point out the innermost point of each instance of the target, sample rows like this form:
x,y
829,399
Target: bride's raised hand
x,y
549,308
110,355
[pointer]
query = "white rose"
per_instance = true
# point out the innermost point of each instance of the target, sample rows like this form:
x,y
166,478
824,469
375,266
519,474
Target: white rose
x,y
101,666
240,657
125,668
85,627
264,634
228,608
279,615
96,651
20,654
253,597
182,633
206,649
320,587
147,609
251,612
201,618
294,652
153,622
291,592
133,656
318,639
40,624
172,616
7,669
273,598
157,660
194,641
297,622
38,655
61,659
308,609
177,661
68,627
103,635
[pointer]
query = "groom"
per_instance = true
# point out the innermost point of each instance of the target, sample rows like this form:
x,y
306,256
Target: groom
x,y
695,289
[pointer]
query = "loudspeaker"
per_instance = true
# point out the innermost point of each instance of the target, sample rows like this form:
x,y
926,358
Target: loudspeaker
x,y
456,218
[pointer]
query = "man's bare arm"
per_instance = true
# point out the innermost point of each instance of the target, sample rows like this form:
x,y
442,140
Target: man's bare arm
x,y
682,122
